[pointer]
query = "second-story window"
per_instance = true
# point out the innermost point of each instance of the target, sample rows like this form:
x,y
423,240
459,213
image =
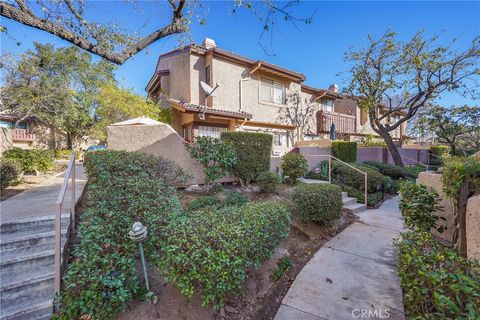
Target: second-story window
x,y
327,105
272,91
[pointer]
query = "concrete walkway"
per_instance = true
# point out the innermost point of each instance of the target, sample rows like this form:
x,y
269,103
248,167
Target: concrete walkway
x,y
353,276
40,200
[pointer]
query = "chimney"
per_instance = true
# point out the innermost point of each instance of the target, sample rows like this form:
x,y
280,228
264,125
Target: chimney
x,y
333,87
209,43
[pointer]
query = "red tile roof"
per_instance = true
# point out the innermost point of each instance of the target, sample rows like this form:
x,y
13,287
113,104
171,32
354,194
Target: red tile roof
x,y
215,110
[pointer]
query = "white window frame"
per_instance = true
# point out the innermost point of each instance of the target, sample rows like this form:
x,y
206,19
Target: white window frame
x,y
273,85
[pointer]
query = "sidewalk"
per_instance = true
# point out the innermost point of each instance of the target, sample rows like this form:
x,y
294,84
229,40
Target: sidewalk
x,y
353,276
40,200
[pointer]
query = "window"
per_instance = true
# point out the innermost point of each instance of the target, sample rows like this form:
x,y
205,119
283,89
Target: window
x,y
186,134
280,140
327,105
207,74
271,91
210,131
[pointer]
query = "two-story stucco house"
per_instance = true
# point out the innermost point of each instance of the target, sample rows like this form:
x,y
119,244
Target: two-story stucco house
x,y
252,95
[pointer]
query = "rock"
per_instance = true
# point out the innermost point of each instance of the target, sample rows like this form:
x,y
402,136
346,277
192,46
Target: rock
x,y
194,188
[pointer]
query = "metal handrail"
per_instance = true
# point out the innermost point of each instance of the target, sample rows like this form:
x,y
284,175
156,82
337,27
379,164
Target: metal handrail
x,y
69,173
330,157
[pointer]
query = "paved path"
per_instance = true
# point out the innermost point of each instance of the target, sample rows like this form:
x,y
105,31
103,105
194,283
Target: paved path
x,y
353,276
40,200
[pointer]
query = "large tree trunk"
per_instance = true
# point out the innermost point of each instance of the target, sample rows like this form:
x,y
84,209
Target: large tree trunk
x,y
69,141
459,238
392,147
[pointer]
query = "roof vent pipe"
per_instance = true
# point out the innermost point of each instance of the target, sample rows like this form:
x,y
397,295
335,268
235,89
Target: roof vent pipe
x,y
333,87
209,43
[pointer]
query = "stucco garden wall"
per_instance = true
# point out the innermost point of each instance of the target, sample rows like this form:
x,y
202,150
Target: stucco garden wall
x,y
381,154
432,179
159,140
473,227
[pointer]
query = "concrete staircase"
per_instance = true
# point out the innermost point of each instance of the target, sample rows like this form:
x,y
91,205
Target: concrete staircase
x,y
351,205
27,259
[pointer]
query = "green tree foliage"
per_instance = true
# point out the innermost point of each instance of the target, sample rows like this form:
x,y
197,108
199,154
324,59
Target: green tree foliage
x,y
216,157
451,126
116,104
253,153
57,86
402,78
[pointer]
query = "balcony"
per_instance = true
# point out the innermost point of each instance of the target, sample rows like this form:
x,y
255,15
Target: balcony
x,y
22,135
344,123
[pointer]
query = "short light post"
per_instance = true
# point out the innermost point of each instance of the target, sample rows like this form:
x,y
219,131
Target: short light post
x,y
138,234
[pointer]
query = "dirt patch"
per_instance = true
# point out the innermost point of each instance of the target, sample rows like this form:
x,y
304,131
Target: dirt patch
x,y
261,296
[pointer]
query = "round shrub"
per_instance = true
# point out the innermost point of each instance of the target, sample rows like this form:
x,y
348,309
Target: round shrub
x,y
268,181
294,166
253,150
319,203
209,252
9,172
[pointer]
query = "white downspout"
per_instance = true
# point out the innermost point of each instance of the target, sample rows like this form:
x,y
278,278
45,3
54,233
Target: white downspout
x,y
241,91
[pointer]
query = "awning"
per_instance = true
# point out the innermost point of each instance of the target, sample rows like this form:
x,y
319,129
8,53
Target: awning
x,y
195,108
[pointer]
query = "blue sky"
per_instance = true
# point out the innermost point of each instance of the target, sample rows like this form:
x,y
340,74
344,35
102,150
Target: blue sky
x,y
316,50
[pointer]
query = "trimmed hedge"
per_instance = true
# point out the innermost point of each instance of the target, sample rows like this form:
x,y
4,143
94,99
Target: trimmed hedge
x,y
123,187
253,152
31,159
209,252
9,172
321,203
344,150
294,166
390,170
436,282
268,181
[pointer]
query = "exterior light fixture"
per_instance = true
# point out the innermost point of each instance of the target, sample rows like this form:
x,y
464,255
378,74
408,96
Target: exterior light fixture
x,y
138,234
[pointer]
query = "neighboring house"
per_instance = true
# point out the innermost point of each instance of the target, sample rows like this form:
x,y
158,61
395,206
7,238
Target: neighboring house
x,y
252,95
31,133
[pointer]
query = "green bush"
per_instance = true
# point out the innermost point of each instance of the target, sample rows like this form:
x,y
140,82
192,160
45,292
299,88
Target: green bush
x,y
209,252
9,172
344,150
123,188
436,282
31,159
440,151
373,199
283,265
390,185
234,198
320,203
390,170
413,171
205,201
268,181
294,166
344,175
65,154
418,204
216,157
253,152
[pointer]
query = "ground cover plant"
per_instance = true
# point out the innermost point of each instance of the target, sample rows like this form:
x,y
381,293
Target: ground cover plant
x,y
253,151
437,283
244,237
268,181
320,203
294,166
31,159
122,188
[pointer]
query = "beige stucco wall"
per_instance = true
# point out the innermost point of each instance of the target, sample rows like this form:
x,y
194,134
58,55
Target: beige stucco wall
x,y
6,141
473,227
176,84
432,179
159,140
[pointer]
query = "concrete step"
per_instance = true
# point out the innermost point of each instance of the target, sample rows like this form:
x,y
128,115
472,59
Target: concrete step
x,y
25,254
29,238
355,208
32,223
41,310
21,299
348,200
344,194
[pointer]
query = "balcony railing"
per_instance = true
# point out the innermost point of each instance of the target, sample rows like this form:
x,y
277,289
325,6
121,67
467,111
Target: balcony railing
x,y
22,135
344,123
